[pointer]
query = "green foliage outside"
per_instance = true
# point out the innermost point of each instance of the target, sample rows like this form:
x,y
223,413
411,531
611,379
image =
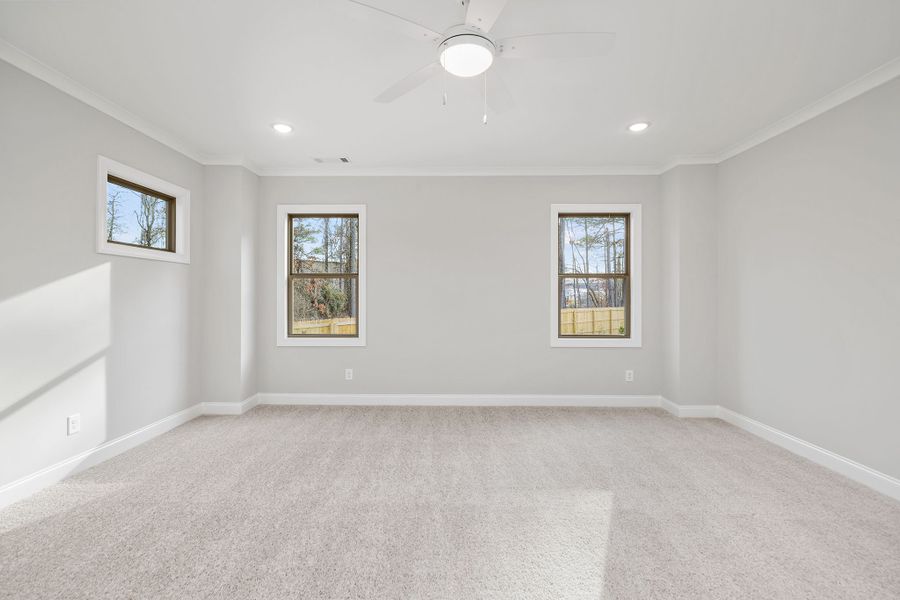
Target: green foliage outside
x,y
321,299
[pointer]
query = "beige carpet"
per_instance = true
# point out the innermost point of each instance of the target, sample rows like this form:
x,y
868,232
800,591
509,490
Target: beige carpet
x,y
453,503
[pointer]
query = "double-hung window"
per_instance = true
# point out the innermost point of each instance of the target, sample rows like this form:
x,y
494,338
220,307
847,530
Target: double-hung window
x,y
595,280
321,291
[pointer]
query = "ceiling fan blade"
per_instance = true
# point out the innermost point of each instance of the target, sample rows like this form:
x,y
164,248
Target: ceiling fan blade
x,y
483,13
557,45
409,83
388,20
499,98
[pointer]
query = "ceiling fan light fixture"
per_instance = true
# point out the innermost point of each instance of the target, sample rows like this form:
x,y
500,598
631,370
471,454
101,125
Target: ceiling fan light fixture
x,y
466,55
282,128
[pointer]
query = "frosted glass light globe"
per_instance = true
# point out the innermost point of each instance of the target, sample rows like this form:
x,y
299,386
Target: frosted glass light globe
x,y
467,55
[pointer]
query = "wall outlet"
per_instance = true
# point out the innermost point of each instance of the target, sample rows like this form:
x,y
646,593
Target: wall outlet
x,y
348,374
73,424
629,375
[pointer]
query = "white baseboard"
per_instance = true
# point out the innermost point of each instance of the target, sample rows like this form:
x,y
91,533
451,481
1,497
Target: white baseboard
x,y
230,408
30,484
851,469
460,400
693,411
21,488
860,473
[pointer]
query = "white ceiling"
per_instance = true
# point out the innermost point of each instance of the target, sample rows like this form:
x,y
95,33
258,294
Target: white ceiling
x,y
214,75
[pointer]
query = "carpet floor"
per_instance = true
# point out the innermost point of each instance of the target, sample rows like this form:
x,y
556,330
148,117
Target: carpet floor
x,y
453,503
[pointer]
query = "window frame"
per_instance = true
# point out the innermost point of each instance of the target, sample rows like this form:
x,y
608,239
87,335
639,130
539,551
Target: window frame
x,y
283,276
354,276
632,276
170,211
178,213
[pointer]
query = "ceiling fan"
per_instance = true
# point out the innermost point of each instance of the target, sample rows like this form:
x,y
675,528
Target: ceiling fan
x,y
468,49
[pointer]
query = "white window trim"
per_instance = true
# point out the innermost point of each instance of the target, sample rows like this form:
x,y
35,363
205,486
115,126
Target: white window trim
x,y
182,254
281,275
634,248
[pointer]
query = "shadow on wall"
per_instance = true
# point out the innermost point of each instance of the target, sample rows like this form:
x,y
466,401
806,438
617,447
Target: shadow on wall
x,y
53,343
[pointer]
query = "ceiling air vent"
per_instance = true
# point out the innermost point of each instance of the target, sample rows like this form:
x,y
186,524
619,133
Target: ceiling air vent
x,y
333,161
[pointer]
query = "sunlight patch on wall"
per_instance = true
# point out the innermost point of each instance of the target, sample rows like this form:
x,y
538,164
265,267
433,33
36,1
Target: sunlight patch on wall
x,y
48,332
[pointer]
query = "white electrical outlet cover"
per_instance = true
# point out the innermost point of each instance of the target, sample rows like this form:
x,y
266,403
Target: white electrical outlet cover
x,y
73,424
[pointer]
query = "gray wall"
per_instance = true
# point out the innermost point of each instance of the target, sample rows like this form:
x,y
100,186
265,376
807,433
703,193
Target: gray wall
x,y
249,255
809,281
109,337
458,291
689,278
220,318
228,317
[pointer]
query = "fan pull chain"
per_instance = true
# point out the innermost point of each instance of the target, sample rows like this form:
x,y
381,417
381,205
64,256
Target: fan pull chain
x,y
484,119
444,85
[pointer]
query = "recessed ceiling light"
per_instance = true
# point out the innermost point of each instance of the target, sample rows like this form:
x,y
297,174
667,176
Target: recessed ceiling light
x,y
282,128
638,127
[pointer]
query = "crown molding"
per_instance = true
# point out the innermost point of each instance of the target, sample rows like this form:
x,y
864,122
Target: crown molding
x,y
350,171
869,81
232,161
27,63
682,161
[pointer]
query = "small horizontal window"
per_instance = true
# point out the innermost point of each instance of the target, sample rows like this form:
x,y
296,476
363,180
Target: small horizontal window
x,y
139,216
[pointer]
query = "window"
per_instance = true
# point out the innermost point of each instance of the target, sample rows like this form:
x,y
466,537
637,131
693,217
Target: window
x,y
323,290
321,283
595,275
139,215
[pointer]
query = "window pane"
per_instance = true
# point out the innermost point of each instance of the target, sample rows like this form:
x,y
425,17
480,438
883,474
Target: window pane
x,y
592,306
323,306
137,218
324,244
592,244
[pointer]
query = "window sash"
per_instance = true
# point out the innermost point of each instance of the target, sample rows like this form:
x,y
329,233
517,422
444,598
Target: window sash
x,y
290,304
170,212
627,306
290,241
602,275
